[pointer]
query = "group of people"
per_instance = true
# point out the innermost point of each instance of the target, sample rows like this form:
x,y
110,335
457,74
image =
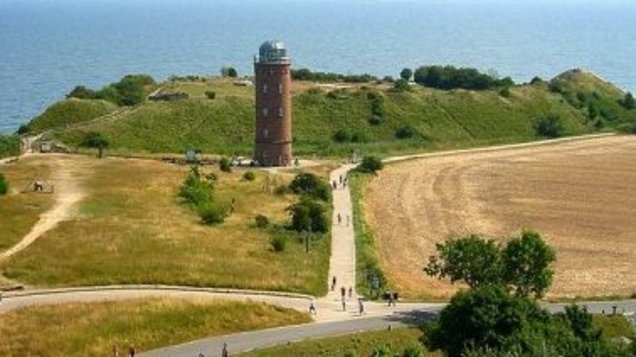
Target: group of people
x,y
342,182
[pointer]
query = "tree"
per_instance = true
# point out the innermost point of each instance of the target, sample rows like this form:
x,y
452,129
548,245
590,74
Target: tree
x,y
229,71
225,165
82,92
95,140
406,74
628,102
401,85
210,94
549,126
4,185
23,129
370,164
472,260
308,214
526,264
310,185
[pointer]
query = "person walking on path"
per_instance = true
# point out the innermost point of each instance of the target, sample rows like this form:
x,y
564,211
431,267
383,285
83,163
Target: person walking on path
x,y
224,352
335,185
333,283
360,306
312,307
350,292
391,301
341,179
348,220
131,351
344,305
339,219
343,292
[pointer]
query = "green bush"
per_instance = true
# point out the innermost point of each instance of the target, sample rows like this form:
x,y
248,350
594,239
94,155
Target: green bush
x,y
308,214
130,90
278,243
450,77
628,128
549,127
9,145
406,74
210,94
401,85
342,136
211,212
261,221
370,164
310,185
229,72
405,132
196,191
249,176
4,185
224,165
505,92
628,102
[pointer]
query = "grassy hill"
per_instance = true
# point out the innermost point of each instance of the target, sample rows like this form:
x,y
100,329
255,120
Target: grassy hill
x,y
425,118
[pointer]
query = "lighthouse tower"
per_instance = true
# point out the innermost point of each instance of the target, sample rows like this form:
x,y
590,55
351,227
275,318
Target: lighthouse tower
x,y
273,136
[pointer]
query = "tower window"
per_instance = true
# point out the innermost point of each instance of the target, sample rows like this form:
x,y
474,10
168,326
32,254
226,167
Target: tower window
x,y
264,88
265,133
280,111
280,89
264,112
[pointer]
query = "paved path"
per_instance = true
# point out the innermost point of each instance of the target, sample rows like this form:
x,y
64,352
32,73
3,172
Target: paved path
x,y
342,263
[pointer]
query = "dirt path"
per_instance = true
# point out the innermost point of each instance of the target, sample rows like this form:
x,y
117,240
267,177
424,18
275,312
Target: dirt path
x,y
576,193
66,177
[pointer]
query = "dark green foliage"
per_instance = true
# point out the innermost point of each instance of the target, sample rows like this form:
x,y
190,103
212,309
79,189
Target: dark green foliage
x,y
130,90
278,243
388,79
449,77
211,213
22,129
9,145
305,74
310,185
210,94
412,351
549,126
401,85
536,80
224,165
526,265
522,266
628,102
505,92
472,260
4,185
406,74
69,112
229,72
261,221
628,128
249,176
405,132
342,136
308,214
370,164
95,140
199,193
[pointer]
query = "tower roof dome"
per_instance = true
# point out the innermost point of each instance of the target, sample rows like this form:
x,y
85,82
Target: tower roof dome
x,y
273,51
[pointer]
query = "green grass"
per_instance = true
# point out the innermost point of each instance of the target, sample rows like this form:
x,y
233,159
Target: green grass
x,y
9,145
441,119
93,329
362,344
134,229
613,326
20,211
70,111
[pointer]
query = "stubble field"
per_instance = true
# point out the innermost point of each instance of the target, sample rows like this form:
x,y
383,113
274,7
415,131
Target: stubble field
x,y
579,195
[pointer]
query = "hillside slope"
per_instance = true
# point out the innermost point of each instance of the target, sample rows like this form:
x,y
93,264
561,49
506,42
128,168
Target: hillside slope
x,y
420,119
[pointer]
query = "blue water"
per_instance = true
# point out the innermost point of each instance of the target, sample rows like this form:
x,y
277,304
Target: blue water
x,y
48,47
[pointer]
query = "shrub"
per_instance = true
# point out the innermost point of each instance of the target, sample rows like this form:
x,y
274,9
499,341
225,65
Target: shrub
x,y
341,136
310,185
449,77
358,137
401,85
224,165
23,129
196,191
406,74
549,126
505,92
628,102
628,128
229,72
249,176
376,120
536,80
278,243
370,164
405,132
308,214
211,212
210,94
388,79
261,221
4,185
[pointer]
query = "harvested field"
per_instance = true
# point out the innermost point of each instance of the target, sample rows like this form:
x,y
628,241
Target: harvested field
x,y
579,195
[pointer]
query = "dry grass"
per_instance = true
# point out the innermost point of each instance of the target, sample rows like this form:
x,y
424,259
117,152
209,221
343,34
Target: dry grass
x,y
93,329
133,229
579,195
20,211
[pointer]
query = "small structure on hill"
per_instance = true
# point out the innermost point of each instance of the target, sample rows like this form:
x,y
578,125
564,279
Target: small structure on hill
x,y
273,134
39,184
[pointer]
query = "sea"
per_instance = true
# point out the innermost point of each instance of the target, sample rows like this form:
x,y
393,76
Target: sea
x,y
49,46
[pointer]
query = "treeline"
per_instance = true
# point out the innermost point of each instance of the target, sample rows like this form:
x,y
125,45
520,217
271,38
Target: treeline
x,y
305,74
130,90
450,77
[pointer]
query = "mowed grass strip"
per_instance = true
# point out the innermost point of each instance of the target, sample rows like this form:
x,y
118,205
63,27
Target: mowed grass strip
x,y
362,344
93,329
20,211
133,229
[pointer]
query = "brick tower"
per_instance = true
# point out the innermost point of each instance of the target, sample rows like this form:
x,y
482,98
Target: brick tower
x,y
273,134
